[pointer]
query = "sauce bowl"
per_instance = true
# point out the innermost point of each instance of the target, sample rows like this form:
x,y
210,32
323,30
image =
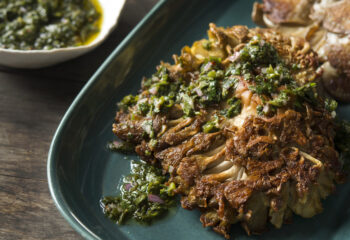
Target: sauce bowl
x,y
44,58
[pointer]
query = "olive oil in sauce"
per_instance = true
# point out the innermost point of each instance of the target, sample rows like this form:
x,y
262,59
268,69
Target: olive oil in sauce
x,y
48,24
98,22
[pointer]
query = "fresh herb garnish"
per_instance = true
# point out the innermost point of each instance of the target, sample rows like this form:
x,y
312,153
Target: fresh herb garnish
x,y
145,195
257,64
330,104
187,104
229,83
234,107
212,125
270,78
162,94
127,102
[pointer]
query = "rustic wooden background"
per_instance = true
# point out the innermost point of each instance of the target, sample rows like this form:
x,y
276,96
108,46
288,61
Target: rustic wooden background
x,y
32,103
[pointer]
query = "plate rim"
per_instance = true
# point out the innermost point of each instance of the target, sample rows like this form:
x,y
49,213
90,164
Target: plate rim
x,y
53,182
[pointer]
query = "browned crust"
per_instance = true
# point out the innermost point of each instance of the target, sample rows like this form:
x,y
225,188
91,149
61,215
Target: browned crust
x,y
268,149
272,163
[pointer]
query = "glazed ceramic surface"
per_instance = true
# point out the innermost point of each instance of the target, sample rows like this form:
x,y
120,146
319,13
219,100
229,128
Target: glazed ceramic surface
x,y
44,58
81,170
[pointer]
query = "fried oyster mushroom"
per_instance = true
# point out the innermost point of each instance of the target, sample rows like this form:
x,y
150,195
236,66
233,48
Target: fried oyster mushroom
x,y
325,24
239,126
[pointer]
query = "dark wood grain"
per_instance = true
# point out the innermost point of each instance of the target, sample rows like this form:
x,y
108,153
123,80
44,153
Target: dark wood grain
x,y
32,102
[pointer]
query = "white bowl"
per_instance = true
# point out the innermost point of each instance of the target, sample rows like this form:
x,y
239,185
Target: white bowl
x,y
42,58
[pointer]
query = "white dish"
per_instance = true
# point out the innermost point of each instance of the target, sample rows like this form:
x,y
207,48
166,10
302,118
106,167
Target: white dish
x,y
43,58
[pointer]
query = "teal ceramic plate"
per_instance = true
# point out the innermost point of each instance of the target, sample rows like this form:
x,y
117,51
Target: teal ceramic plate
x,y
81,170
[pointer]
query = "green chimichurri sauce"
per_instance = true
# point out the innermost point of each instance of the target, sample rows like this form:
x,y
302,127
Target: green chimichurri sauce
x,y
144,195
258,62
47,24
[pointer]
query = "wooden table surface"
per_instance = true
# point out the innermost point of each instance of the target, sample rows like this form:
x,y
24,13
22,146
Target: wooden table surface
x,y
32,103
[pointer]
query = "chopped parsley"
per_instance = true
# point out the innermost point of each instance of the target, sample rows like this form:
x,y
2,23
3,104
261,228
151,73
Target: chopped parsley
x,y
38,24
212,125
127,102
145,195
258,64
187,104
331,105
228,83
162,94
234,107
270,78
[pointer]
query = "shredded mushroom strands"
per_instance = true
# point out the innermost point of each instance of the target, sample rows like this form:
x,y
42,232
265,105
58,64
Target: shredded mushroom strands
x,y
222,127
309,157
